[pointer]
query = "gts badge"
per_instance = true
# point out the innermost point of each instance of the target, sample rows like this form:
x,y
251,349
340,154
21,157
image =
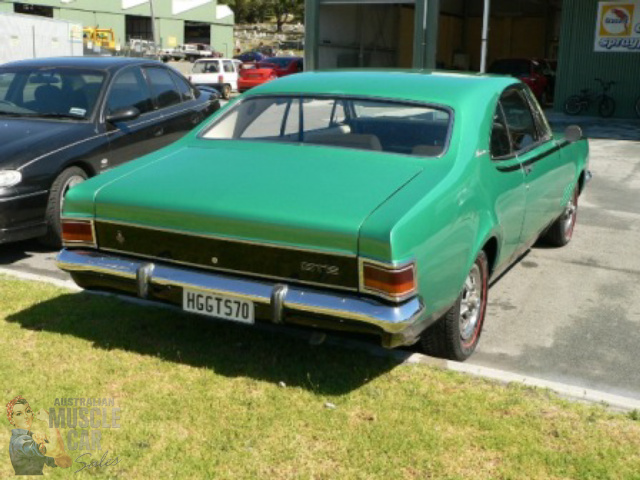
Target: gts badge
x,y
319,268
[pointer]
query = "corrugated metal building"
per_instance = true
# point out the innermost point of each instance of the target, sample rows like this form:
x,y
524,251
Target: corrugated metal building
x,y
449,34
177,21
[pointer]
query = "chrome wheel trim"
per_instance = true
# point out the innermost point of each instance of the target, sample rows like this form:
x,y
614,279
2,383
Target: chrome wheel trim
x,y
471,304
71,182
569,215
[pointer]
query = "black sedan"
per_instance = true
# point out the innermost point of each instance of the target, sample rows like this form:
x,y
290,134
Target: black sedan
x,y
63,120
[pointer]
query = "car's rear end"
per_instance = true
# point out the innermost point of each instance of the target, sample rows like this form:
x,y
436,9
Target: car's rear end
x,y
255,74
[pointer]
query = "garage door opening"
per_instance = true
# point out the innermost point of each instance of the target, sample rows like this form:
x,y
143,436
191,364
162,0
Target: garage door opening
x,y
195,32
365,35
138,28
28,9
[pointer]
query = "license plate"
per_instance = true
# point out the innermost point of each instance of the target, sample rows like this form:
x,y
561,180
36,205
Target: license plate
x,y
218,306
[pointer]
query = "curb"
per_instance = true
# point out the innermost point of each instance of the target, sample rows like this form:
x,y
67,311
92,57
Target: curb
x,y
612,402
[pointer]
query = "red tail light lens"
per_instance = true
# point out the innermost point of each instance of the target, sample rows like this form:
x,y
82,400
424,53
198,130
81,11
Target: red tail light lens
x,y
394,283
77,232
220,79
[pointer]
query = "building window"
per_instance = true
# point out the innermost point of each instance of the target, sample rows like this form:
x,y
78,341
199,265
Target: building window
x,y
138,28
28,9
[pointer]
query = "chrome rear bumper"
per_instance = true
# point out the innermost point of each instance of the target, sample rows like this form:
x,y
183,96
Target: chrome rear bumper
x,y
401,323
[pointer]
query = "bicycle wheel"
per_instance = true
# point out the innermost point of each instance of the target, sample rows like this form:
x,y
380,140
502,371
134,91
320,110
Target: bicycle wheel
x,y
638,107
573,105
606,107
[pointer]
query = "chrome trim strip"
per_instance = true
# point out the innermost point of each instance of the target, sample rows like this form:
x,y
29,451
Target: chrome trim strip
x,y
22,167
228,270
399,266
20,197
389,318
227,239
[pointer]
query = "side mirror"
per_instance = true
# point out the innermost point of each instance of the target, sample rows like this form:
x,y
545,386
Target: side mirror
x,y
573,133
123,114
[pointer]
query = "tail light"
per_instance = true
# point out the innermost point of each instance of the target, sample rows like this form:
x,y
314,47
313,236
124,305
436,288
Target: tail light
x,y
220,79
76,233
392,282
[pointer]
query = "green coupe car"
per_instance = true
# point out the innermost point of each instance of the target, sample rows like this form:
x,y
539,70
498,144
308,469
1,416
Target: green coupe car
x,y
377,202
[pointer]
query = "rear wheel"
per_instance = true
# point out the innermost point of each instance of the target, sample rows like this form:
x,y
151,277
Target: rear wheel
x,y
226,91
456,335
606,107
573,105
561,231
61,185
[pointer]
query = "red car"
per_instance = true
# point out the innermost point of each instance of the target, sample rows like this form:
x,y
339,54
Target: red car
x,y
252,75
527,70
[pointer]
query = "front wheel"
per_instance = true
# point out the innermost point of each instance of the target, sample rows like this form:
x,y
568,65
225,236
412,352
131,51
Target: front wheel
x,y
573,105
61,185
606,107
456,335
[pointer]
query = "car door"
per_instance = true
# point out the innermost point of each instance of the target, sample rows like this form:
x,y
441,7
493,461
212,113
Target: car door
x,y
230,74
538,157
129,139
179,114
505,176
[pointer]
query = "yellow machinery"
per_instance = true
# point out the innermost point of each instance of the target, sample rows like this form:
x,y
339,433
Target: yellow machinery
x,y
99,37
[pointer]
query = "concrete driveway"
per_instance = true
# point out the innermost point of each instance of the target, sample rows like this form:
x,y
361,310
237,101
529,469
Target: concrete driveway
x,y
571,314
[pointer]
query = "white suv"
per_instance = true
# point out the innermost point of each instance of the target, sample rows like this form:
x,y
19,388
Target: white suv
x,y
220,73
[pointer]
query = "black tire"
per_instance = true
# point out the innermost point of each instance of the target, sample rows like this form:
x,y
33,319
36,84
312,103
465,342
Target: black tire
x,y
69,177
561,231
606,107
638,107
573,105
226,92
455,336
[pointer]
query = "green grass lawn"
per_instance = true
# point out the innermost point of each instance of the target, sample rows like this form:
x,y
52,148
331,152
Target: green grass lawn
x,y
203,399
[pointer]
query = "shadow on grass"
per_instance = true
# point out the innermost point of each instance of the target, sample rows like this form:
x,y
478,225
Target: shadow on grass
x,y
279,354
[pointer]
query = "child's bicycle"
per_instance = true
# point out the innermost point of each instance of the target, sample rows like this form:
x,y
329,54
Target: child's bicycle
x,y
575,104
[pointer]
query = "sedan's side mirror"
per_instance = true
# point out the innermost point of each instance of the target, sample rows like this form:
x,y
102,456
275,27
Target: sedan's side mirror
x,y
123,115
573,133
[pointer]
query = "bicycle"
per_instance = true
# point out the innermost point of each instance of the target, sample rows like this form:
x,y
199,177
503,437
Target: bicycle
x,y
575,104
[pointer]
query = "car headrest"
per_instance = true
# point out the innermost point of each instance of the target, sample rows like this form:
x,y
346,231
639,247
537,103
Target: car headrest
x,y
352,140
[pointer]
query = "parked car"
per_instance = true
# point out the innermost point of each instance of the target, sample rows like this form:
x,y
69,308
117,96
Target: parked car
x,y
379,202
284,66
549,68
254,74
63,120
219,73
173,53
248,57
528,71
195,51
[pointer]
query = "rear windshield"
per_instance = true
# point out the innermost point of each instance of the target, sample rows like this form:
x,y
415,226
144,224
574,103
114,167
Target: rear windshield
x,y
418,130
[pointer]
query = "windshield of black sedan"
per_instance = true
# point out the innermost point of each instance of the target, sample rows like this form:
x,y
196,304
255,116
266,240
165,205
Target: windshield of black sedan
x,y
376,125
49,92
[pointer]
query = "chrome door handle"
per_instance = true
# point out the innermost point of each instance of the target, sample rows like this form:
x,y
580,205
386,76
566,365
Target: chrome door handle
x,y
528,169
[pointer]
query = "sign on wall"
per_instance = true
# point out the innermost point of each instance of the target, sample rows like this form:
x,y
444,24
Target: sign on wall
x,y
618,27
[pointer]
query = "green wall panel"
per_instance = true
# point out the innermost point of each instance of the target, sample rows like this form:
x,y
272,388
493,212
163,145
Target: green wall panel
x,y
578,64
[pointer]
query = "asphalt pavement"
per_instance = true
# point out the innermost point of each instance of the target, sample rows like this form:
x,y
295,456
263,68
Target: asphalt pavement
x,y
569,315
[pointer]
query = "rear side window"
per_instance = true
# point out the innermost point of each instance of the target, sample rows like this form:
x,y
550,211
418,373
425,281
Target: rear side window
x,y
519,119
129,89
183,87
500,142
228,66
163,88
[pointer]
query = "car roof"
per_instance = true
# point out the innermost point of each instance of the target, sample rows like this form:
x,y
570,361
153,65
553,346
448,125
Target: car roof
x,y
425,86
97,63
